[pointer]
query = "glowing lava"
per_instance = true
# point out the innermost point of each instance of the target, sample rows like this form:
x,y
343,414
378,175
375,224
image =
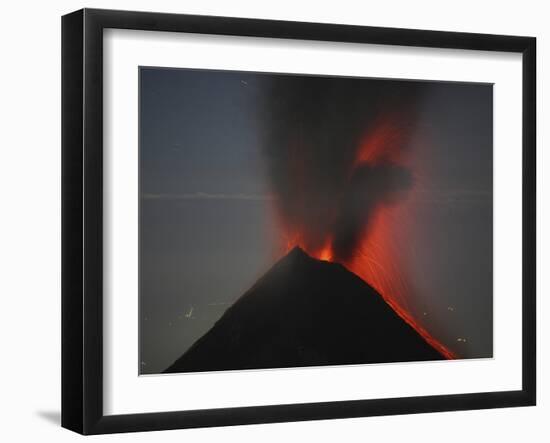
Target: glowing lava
x,y
376,255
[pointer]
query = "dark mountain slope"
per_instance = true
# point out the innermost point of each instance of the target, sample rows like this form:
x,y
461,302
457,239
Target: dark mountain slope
x,y
306,312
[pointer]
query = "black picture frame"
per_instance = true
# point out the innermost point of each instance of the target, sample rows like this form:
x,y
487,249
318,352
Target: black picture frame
x,y
82,220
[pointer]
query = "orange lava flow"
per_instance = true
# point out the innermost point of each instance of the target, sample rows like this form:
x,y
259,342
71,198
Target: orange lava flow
x,y
375,263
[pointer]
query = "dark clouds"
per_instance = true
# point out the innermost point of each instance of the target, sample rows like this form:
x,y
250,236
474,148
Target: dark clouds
x,y
314,130
369,187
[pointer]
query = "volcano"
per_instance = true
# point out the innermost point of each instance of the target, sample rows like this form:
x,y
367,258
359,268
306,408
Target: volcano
x,y
306,312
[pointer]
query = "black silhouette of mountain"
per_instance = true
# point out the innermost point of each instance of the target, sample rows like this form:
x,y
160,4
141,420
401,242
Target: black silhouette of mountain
x,y
306,312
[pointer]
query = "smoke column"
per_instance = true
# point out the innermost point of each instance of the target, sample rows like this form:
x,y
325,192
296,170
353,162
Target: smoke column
x,y
336,151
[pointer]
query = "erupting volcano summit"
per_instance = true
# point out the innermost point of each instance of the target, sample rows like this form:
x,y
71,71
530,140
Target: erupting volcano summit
x,y
306,312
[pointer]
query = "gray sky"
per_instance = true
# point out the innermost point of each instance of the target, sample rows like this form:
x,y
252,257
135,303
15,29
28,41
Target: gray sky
x,y
213,147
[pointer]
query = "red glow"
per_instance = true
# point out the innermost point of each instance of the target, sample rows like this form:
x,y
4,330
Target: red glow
x,y
376,259
383,144
323,253
326,254
376,264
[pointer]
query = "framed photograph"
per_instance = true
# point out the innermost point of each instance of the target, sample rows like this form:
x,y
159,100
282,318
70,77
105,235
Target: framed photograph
x,y
269,221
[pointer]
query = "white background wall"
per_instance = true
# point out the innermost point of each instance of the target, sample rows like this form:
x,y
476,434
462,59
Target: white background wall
x,y
30,218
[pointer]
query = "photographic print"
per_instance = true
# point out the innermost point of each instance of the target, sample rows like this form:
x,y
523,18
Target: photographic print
x,y
290,220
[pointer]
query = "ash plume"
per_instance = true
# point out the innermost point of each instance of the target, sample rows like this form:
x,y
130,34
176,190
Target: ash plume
x,y
334,149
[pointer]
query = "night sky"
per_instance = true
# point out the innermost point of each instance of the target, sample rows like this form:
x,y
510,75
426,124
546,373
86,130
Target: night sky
x,y
217,181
